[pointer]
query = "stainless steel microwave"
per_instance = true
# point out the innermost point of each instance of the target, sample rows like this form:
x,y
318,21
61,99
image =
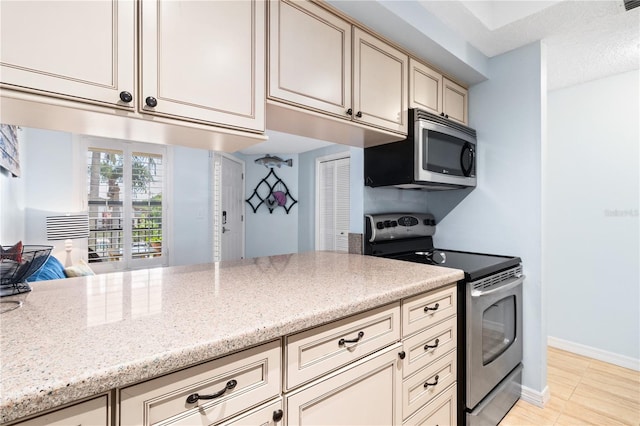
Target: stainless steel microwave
x,y
437,154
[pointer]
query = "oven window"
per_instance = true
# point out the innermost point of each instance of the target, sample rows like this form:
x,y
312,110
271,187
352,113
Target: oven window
x,y
498,328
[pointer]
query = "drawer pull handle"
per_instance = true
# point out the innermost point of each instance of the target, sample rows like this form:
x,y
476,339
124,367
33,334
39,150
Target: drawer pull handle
x,y
435,308
194,397
427,384
341,342
427,347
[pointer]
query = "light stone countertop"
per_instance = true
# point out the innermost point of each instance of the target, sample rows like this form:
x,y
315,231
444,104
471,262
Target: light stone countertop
x,y
79,337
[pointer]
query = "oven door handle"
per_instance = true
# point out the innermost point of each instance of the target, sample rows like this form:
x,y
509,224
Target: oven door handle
x,y
513,282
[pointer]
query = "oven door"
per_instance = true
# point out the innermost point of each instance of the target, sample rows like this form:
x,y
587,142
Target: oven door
x,y
494,335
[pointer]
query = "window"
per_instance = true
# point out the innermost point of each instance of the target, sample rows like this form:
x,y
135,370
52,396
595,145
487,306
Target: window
x,y
127,210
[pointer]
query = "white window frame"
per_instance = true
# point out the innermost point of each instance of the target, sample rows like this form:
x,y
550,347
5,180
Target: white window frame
x,y
332,157
128,147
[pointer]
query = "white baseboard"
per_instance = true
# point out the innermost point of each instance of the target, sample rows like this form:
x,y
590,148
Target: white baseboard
x,y
595,353
539,399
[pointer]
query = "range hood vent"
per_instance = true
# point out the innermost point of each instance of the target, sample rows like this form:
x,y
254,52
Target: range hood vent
x,y
631,4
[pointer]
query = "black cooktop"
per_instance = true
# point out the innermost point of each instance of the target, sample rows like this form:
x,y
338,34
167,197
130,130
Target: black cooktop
x,y
474,265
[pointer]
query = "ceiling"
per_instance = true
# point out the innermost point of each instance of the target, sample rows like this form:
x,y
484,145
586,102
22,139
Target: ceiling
x,y
585,40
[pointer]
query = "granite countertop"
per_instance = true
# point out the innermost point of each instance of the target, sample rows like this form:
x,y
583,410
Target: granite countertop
x,y
78,337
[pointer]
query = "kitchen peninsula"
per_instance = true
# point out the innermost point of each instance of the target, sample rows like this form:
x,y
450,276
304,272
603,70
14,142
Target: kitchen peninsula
x,y
76,338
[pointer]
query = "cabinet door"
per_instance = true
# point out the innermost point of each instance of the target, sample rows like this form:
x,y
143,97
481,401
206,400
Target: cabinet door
x,y
380,93
204,61
309,57
425,87
366,393
83,50
454,101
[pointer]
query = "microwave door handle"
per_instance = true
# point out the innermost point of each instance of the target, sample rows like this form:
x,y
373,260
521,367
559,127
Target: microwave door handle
x,y
513,282
467,149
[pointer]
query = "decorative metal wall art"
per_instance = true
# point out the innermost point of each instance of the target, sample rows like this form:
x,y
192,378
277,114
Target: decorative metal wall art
x,y
274,194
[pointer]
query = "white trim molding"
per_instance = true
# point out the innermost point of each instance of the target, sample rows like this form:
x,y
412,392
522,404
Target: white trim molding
x,y
595,353
539,399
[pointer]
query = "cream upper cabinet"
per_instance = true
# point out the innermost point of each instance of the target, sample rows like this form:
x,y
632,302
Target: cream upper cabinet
x,y
380,91
309,57
431,91
204,61
318,60
454,101
425,87
82,50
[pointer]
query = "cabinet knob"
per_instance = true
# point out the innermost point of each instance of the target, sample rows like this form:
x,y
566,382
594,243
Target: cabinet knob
x,y
151,101
442,114
359,114
402,354
126,97
277,415
349,111
446,116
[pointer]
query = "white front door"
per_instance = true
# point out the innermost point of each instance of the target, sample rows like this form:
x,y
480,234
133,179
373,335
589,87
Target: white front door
x,y
228,207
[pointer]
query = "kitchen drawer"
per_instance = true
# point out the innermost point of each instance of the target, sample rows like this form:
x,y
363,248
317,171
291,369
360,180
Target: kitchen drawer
x,y
438,376
440,411
164,400
314,352
89,413
427,309
269,414
420,350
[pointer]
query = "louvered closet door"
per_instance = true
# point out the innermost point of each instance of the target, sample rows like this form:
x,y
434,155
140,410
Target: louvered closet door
x,y
333,205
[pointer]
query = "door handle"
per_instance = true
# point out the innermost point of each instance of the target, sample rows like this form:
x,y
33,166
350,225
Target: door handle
x,y
225,229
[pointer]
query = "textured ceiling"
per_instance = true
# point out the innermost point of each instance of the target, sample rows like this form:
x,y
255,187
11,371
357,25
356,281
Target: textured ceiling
x,y
585,40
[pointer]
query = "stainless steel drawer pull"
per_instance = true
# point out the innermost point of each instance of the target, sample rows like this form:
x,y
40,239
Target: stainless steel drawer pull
x,y
427,384
427,347
435,308
342,342
194,397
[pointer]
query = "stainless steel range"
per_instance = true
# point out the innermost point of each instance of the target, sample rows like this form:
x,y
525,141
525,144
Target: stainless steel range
x,y
489,311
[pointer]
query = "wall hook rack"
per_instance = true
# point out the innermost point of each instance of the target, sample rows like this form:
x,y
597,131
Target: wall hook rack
x,y
277,194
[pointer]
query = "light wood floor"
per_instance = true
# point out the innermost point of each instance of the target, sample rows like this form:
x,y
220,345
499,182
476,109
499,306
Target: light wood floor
x,y
584,391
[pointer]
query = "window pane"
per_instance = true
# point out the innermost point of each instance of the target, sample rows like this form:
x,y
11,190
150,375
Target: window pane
x,y
105,186
147,174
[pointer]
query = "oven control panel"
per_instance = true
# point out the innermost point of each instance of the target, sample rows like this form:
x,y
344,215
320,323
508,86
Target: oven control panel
x,y
390,226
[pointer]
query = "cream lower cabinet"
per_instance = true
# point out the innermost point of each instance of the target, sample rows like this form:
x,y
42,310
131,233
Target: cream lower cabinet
x,y
95,412
208,393
429,365
367,392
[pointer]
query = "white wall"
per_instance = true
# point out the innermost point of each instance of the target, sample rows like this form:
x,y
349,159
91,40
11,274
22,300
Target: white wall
x,y
267,233
12,203
51,187
191,210
503,214
591,228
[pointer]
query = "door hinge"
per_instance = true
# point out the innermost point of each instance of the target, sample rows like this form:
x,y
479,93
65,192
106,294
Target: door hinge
x,y
241,218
